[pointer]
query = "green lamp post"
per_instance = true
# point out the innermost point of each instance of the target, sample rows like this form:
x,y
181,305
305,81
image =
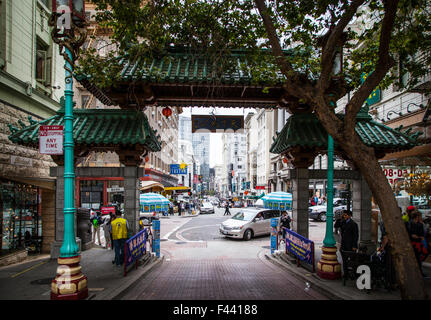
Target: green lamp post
x,y
69,32
328,266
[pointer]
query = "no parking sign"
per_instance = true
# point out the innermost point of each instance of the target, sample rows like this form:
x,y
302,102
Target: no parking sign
x,y
51,140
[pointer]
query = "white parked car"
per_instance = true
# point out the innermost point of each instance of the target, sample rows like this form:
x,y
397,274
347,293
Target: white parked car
x,y
207,207
318,212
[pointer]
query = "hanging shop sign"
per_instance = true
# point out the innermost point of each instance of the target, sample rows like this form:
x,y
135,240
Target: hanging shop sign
x,y
51,140
107,210
215,123
178,168
394,174
115,189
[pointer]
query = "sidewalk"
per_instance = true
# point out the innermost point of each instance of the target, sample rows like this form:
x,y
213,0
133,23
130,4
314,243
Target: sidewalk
x,y
31,280
335,288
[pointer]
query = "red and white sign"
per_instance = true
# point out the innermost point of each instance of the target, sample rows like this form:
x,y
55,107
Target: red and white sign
x,y
394,174
260,187
107,210
51,140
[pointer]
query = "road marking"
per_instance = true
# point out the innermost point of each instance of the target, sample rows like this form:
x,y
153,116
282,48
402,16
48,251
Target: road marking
x,y
28,269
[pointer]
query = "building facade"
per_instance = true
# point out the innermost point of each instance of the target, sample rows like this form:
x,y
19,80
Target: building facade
x,y
31,85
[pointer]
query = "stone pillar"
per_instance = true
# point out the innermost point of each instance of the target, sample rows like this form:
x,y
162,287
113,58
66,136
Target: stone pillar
x,y
300,201
48,219
361,198
131,197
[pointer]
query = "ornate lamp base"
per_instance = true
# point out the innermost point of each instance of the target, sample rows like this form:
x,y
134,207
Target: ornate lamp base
x,y
70,283
328,267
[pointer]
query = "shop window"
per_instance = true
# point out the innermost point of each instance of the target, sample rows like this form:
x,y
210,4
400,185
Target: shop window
x,y
91,194
20,215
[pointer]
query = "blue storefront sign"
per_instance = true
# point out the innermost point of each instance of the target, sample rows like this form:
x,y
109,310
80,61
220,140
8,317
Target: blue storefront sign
x,y
176,169
274,224
156,239
299,246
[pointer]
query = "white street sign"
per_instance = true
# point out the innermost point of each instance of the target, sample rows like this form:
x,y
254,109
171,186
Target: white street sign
x,y
51,140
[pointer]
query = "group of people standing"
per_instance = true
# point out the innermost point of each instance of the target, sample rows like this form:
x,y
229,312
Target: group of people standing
x,y
115,229
314,201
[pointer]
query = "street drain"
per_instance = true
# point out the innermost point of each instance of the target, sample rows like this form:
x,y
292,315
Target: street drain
x,y
266,247
163,239
42,281
180,242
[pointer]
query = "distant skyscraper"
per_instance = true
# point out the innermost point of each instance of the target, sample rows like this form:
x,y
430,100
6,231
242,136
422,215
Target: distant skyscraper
x,y
201,149
185,128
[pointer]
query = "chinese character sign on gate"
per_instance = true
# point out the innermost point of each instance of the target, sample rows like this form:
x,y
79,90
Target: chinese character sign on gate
x,y
51,140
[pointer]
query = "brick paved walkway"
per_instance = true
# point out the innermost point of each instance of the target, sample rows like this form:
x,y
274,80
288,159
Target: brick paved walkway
x,y
210,277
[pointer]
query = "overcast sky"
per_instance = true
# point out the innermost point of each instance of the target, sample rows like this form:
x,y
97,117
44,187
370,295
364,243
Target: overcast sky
x,y
216,146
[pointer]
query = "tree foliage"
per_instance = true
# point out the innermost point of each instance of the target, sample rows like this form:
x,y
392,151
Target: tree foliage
x,y
299,39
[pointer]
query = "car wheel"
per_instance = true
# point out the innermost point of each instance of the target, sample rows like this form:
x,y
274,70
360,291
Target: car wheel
x,y
322,217
248,234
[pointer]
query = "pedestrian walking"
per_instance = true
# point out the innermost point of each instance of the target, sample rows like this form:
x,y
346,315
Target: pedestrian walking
x,y
107,232
349,232
96,222
285,223
416,233
226,211
179,208
119,229
407,216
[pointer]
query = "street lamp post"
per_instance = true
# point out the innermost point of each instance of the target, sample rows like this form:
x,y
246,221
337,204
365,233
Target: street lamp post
x,y
69,32
328,266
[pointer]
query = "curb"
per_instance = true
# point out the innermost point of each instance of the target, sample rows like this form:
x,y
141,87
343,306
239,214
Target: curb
x,y
130,280
312,280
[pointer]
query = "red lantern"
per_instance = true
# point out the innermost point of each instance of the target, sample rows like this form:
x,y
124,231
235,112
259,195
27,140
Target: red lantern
x,y
167,112
284,160
147,159
246,192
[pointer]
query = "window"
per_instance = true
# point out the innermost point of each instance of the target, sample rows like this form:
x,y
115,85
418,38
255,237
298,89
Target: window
x,y
46,3
43,64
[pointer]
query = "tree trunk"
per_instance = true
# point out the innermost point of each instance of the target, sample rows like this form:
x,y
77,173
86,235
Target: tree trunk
x,y
409,276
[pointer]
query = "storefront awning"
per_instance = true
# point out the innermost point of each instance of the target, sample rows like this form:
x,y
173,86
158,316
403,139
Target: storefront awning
x,y
177,188
154,185
419,155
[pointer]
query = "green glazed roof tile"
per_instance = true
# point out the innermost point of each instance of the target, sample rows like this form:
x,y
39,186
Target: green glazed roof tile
x,y
97,127
305,130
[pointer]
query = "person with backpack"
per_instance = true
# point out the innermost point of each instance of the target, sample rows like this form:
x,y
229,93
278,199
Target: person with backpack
x,y
96,222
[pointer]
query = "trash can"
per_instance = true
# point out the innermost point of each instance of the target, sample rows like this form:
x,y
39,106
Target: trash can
x,y
84,227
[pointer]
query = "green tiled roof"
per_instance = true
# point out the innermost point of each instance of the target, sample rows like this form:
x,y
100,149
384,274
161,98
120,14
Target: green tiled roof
x,y
305,130
180,68
96,127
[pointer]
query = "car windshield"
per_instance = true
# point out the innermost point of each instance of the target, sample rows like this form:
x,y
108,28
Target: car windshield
x,y
244,215
207,204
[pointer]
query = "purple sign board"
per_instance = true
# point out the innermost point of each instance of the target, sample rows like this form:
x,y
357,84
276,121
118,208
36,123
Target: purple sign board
x,y
299,246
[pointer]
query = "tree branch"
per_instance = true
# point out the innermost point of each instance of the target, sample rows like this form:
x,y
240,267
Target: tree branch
x,y
384,63
293,77
334,37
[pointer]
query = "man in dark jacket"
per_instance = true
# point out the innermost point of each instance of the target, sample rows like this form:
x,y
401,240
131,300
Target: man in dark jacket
x,y
416,233
349,232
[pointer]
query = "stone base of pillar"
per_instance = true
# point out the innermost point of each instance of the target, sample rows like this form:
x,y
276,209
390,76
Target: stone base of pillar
x,y
328,267
70,283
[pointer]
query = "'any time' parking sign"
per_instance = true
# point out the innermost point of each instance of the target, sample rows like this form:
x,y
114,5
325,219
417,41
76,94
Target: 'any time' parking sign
x,y
51,140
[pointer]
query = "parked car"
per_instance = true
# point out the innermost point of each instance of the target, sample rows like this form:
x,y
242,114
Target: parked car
x,y
318,213
246,225
207,207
